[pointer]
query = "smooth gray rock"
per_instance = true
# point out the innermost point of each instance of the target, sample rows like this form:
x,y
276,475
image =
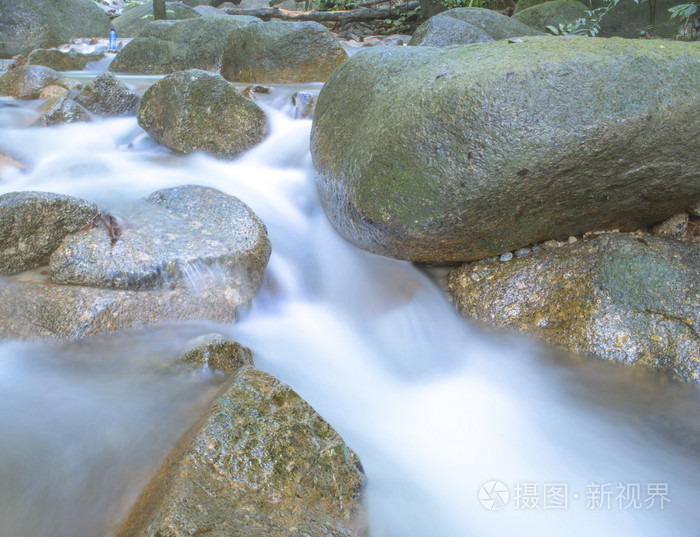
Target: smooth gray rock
x,y
281,52
468,25
26,25
33,224
441,155
187,236
135,20
63,61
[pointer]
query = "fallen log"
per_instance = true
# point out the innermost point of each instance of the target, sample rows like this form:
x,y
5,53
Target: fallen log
x,y
353,15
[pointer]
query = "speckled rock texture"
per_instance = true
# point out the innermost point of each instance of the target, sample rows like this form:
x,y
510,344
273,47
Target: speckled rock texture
x,y
199,111
63,61
33,224
468,25
169,46
552,13
60,110
623,297
442,155
262,463
183,236
26,25
26,82
106,95
136,19
281,52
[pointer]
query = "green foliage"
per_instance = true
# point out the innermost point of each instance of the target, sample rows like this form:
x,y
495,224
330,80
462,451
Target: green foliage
x,y
451,4
684,11
333,5
403,19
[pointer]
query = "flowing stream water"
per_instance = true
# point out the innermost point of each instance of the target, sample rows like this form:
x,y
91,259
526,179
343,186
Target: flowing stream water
x,y
434,408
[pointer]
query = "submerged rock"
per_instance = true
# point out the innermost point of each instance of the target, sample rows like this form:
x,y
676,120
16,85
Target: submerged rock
x,y
441,155
199,111
281,52
60,110
177,237
215,352
28,81
623,297
262,463
468,25
33,224
135,19
107,95
63,61
32,24
169,46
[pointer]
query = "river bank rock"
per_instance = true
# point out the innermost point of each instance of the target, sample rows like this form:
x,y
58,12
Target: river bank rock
x,y
262,463
441,155
28,81
281,52
60,110
177,237
169,46
626,19
33,224
468,25
552,13
106,95
136,19
198,111
622,297
63,61
32,24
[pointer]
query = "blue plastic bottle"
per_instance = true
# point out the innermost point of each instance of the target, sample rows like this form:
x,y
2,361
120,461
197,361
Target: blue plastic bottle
x,y
112,39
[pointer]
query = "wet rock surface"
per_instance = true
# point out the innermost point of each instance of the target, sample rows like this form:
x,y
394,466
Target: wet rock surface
x,y
60,110
33,224
28,81
468,25
624,297
217,353
262,463
552,13
177,237
107,95
32,24
281,52
169,46
516,143
63,61
199,111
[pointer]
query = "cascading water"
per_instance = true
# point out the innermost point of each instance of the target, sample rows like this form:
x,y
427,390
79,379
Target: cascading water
x,y
434,408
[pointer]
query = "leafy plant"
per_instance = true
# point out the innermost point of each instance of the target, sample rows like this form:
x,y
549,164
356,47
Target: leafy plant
x,y
684,11
451,4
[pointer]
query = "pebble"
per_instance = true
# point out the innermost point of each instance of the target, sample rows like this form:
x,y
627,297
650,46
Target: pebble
x,y
507,256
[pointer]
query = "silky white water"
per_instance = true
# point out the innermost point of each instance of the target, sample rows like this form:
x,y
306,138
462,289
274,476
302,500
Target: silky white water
x,y
434,408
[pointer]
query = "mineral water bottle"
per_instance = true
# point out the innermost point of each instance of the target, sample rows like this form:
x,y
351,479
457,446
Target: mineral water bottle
x,y
112,39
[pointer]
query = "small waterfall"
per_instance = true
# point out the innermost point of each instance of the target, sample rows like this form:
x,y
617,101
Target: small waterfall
x,y
446,419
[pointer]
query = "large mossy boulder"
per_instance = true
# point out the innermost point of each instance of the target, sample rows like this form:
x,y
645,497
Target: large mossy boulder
x,y
31,24
63,61
135,20
441,155
468,25
172,238
106,95
33,224
552,13
281,52
169,46
262,463
199,111
622,297
28,81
